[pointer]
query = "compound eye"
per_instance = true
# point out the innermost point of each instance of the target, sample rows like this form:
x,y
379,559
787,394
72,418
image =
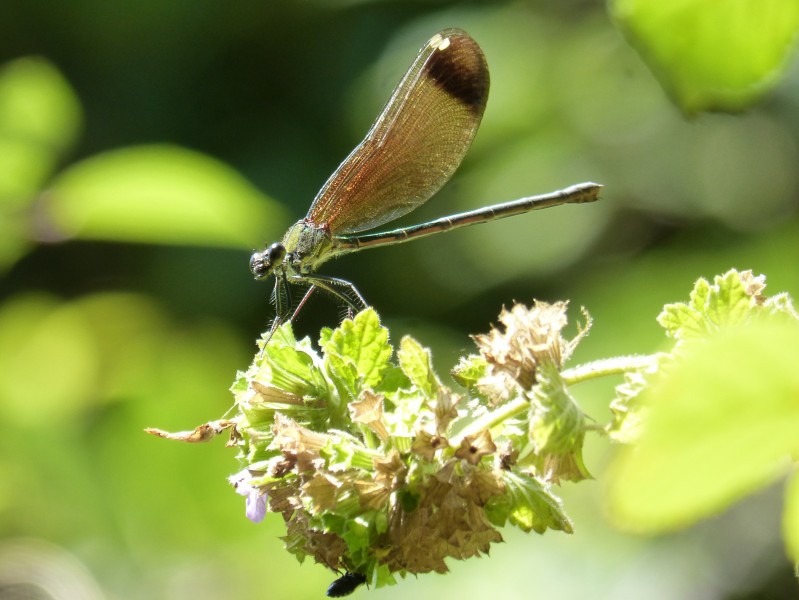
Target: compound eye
x,y
258,266
275,254
263,263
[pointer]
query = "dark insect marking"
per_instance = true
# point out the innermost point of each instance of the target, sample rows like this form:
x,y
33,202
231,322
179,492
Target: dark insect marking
x,y
459,68
345,585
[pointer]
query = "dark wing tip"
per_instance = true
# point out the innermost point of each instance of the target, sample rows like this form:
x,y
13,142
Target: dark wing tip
x,y
457,66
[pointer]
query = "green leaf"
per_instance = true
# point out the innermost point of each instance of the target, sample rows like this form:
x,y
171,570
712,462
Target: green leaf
x,y
626,406
712,54
283,335
470,370
162,194
528,505
356,535
416,362
341,454
40,118
557,427
698,298
290,369
790,522
358,351
730,304
682,321
37,104
324,336
344,375
382,576
711,307
393,383
721,424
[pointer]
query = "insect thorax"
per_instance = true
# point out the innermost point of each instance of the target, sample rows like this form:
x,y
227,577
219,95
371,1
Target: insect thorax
x,y
307,246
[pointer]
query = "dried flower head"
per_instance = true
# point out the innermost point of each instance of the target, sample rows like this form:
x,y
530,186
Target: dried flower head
x,y
529,337
474,447
754,285
445,408
369,411
427,445
372,466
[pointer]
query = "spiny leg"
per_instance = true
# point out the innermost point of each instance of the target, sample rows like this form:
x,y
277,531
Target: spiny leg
x,y
302,302
281,297
342,289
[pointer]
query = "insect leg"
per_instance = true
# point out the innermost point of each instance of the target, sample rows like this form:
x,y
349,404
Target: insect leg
x,y
338,288
307,295
281,298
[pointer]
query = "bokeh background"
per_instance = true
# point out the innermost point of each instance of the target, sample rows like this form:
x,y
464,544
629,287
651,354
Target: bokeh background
x,y
148,147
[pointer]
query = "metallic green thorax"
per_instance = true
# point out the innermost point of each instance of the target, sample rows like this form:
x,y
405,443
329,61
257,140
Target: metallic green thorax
x,y
308,246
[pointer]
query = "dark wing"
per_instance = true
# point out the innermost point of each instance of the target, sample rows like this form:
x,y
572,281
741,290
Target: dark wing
x,y
416,143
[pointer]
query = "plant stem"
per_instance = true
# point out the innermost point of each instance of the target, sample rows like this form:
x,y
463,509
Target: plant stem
x,y
618,365
593,370
492,419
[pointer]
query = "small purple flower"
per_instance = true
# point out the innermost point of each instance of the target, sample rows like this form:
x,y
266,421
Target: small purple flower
x,y
256,500
256,506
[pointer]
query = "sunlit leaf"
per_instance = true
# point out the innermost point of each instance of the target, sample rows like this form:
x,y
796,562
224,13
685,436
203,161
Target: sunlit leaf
x,y
40,118
557,428
290,369
722,423
712,54
724,303
416,363
470,370
528,504
362,344
162,194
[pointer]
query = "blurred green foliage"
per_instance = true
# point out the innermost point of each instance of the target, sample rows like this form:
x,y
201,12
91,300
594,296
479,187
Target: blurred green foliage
x,y
39,121
143,152
732,402
713,55
162,195
727,393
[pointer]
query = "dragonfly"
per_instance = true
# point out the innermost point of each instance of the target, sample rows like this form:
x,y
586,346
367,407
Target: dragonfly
x,y
412,149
